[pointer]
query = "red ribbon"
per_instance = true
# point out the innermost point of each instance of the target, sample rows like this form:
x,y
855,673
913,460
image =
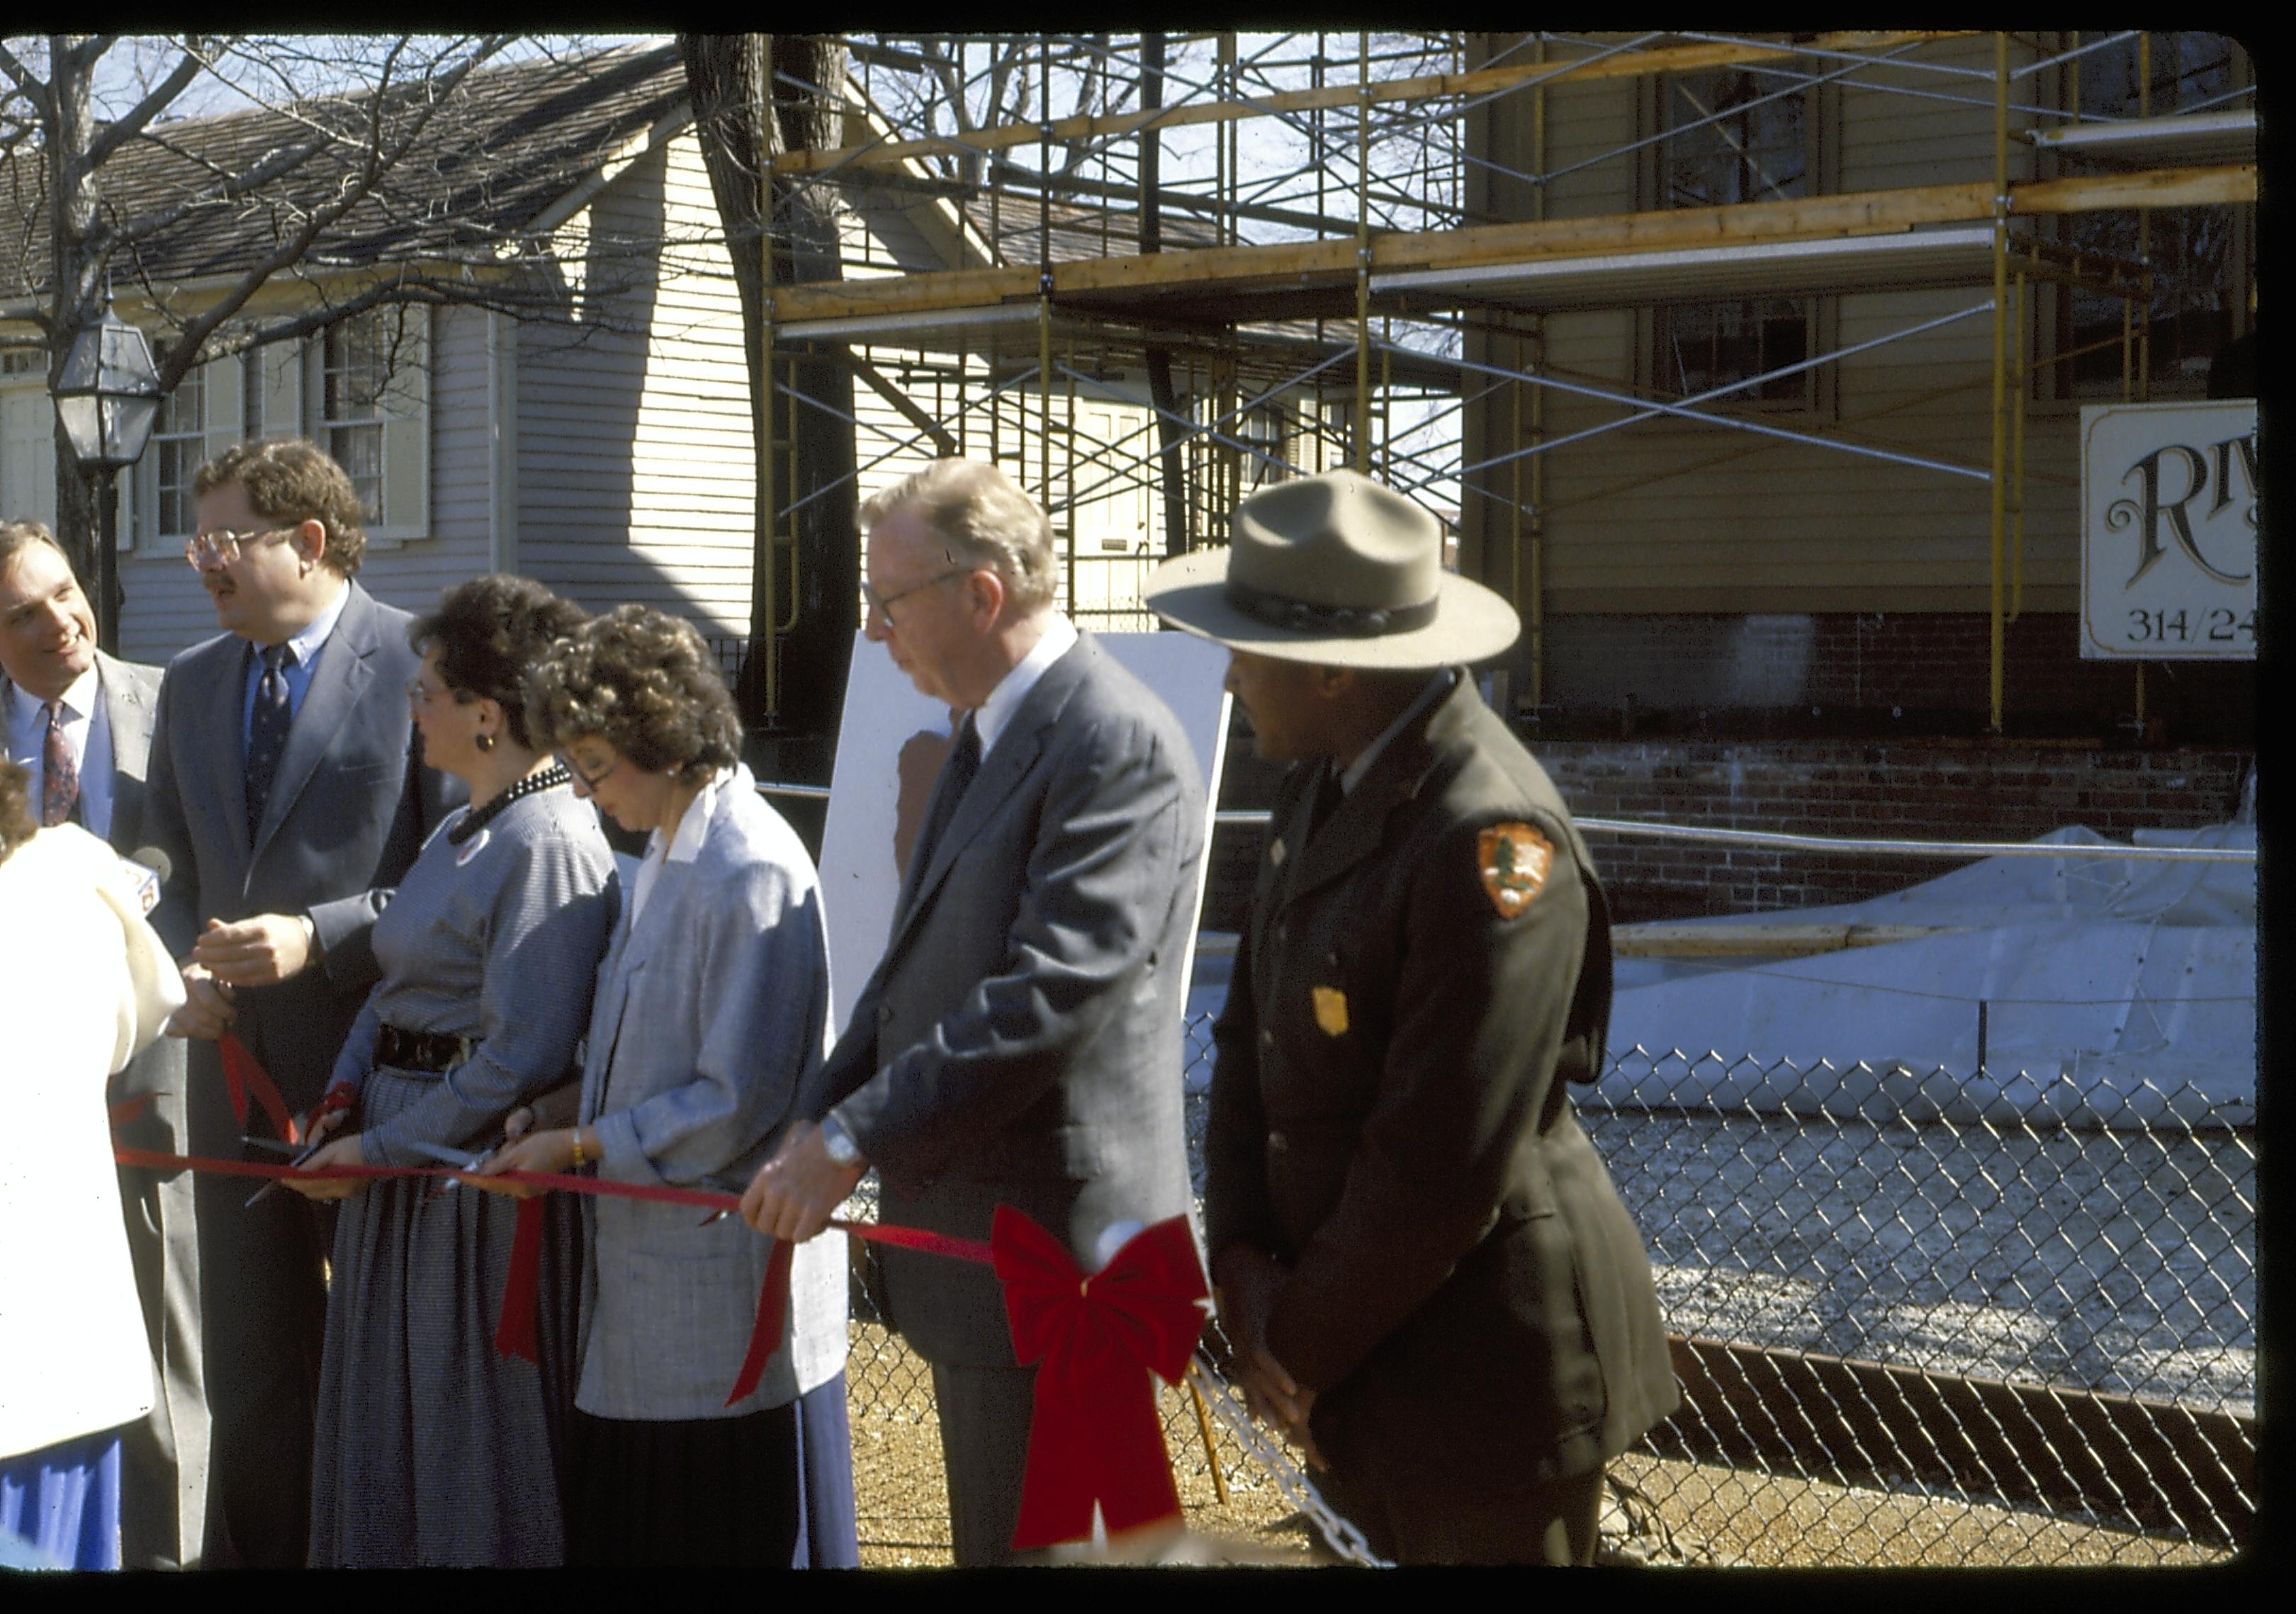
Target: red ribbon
x,y
242,1074
514,1331
1094,1435
765,1332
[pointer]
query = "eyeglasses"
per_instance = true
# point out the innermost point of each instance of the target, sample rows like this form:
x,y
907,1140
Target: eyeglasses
x,y
420,693
882,604
221,548
589,781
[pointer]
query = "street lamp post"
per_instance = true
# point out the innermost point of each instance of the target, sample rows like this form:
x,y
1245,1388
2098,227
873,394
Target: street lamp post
x,y
107,397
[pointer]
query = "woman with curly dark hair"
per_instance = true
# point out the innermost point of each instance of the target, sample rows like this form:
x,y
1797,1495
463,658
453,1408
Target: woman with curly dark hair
x,y
712,1000
432,1448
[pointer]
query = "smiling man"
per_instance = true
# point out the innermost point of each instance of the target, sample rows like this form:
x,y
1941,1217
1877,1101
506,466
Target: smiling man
x,y
80,722
287,792
1019,1042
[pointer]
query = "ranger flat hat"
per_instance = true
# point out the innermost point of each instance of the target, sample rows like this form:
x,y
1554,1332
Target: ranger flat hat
x,y
1335,570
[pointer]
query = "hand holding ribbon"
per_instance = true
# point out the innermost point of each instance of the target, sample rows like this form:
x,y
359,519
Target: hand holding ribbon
x,y
1095,1435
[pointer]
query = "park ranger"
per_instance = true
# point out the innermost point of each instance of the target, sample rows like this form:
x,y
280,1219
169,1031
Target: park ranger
x,y
1425,1273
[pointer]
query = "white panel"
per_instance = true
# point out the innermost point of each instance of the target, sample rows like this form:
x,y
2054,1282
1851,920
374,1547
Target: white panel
x,y
28,455
282,364
406,436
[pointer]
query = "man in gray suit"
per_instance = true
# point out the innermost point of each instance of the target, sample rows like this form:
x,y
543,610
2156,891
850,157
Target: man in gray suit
x,y
287,792
1019,1042
80,721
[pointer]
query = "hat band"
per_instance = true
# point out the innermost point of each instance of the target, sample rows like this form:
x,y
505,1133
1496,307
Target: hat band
x,y
1339,621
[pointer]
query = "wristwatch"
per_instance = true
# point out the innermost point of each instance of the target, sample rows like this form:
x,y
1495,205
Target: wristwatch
x,y
840,1143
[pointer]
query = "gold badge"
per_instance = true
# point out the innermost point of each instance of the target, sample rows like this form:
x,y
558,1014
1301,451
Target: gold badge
x,y
1513,860
1331,1011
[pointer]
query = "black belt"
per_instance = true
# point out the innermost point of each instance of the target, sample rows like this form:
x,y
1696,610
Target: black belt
x,y
428,1051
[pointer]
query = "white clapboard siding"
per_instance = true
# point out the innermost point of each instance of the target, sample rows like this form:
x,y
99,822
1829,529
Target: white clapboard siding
x,y
635,467
1670,514
414,572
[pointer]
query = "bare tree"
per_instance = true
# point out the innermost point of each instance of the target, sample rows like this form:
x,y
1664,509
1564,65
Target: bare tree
x,y
796,696
360,169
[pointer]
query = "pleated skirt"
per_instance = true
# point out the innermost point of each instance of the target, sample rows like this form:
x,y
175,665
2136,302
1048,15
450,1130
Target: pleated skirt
x,y
666,1494
431,1449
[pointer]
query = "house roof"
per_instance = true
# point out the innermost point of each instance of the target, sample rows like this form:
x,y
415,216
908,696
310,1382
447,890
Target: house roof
x,y
507,143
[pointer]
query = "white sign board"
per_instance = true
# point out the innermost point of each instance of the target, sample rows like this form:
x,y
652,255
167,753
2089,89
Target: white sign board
x,y
889,747
2168,532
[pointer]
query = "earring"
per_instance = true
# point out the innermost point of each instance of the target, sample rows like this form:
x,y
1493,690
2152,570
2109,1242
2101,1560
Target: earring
x,y
486,742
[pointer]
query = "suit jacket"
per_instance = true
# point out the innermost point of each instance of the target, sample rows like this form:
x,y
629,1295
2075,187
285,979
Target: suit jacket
x,y
1019,1042
1388,1119
349,808
710,1007
129,691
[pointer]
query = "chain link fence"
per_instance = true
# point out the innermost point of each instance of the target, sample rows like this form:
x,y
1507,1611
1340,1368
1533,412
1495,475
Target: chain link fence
x,y
1910,1328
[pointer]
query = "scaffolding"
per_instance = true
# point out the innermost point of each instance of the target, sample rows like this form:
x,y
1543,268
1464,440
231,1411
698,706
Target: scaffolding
x,y
1265,247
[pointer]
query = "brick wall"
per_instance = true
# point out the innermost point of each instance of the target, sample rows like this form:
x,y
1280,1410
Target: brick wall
x,y
1934,789
1910,673
1929,790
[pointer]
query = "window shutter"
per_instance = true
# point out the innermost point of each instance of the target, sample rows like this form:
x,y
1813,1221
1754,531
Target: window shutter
x,y
406,433
226,402
283,388
131,507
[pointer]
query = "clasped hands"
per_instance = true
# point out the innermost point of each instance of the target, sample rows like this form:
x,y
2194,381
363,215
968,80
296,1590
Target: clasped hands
x,y
258,952
1248,1282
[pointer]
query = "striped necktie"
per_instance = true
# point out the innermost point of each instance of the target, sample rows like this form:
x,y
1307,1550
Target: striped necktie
x,y
266,735
59,771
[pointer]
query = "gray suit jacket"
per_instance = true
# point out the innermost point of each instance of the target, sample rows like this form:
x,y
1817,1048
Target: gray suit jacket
x,y
1019,1042
349,808
708,1008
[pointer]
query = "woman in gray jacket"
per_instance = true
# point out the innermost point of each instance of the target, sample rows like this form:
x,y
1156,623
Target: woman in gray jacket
x,y
713,997
433,1449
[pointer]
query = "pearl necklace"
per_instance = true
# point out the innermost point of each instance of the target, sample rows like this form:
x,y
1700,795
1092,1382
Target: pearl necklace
x,y
477,818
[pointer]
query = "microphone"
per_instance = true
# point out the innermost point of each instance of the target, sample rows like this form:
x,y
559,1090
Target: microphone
x,y
149,867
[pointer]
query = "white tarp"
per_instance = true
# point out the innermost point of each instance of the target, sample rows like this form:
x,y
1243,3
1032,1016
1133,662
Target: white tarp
x,y
2115,989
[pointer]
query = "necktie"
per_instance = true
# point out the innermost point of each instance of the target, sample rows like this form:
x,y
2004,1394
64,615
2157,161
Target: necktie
x,y
59,773
955,775
266,736
1328,797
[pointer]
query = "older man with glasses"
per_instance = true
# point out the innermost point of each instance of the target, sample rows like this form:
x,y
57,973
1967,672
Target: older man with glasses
x,y
288,794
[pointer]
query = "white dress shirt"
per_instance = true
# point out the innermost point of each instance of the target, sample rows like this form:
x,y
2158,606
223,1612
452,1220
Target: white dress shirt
x,y
684,846
86,731
996,712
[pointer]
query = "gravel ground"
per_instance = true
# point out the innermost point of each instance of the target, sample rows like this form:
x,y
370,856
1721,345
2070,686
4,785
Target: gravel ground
x,y
1662,1512
2120,1262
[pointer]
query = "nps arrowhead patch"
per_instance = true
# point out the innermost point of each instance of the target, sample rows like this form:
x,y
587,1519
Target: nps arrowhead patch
x,y
1513,860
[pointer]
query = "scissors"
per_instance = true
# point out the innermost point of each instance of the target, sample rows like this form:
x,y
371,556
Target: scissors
x,y
297,1155
445,1156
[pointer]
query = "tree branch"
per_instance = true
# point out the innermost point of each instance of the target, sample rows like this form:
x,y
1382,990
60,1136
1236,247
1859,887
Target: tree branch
x,y
111,137
29,84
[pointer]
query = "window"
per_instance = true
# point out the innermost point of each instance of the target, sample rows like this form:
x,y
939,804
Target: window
x,y
370,385
1734,136
179,438
2199,255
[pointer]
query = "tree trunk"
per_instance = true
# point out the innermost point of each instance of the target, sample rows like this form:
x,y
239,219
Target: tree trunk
x,y
75,304
727,74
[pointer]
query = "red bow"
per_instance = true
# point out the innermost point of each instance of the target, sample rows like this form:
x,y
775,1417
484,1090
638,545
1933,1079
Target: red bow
x,y
1094,1435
